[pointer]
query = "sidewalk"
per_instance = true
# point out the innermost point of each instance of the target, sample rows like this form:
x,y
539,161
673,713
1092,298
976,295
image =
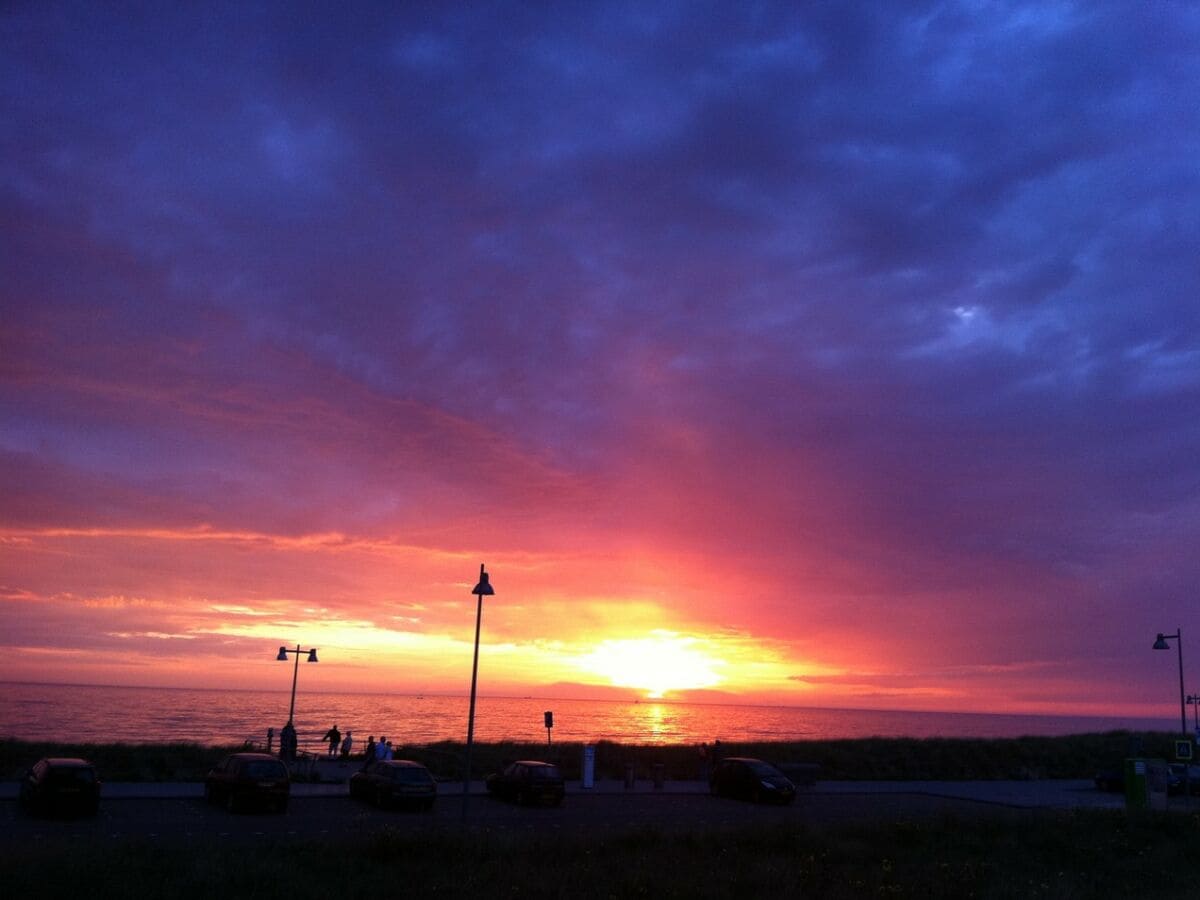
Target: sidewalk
x,y
1048,794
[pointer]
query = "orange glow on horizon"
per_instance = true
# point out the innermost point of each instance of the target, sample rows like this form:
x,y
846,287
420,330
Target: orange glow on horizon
x,y
654,665
161,607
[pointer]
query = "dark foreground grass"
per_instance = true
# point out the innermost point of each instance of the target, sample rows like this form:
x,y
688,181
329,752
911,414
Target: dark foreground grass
x,y
1064,856
1072,756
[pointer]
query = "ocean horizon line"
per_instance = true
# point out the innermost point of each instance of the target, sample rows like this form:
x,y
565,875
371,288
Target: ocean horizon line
x,y
633,699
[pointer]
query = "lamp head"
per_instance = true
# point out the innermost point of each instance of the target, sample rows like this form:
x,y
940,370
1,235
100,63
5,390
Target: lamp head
x,y
1161,643
282,657
312,655
484,588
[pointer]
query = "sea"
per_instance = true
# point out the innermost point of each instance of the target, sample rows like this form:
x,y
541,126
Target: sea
x,y
102,714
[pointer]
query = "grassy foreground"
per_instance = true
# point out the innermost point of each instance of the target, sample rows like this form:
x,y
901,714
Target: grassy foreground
x,y
1064,856
1074,756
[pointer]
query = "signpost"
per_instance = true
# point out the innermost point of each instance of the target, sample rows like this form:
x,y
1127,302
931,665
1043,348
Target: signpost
x,y
549,724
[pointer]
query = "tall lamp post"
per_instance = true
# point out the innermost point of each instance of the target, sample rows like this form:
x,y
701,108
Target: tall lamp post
x,y
1161,644
483,588
1194,702
282,657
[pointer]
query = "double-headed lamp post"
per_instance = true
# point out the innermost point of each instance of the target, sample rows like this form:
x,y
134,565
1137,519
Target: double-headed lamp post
x,y
282,657
1161,644
483,588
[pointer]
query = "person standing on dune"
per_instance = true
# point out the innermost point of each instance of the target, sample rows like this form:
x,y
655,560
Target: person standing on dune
x,y
334,737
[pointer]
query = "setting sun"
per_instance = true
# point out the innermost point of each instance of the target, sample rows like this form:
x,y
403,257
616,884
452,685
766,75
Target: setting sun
x,y
655,665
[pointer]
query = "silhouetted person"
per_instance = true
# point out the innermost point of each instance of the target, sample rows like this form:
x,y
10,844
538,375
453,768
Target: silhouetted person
x,y
334,737
347,743
382,747
287,742
369,755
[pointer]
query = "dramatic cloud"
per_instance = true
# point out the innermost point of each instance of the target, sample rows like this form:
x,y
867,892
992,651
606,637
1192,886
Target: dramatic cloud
x,y
861,338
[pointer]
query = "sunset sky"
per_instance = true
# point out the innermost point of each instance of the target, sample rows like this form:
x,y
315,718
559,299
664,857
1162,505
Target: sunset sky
x,y
826,354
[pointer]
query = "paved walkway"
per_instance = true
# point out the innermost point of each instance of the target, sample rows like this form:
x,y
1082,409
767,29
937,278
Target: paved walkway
x,y
1050,794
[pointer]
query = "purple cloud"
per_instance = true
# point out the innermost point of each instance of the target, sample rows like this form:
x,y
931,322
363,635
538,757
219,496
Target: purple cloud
x,y
899,301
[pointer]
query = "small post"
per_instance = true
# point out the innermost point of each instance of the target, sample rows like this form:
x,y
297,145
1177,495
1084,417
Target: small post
x,y
549,724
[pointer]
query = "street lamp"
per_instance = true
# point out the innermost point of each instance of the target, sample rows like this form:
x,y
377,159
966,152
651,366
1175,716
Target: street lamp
x,y
484,587
1194,702
1161,644
282,657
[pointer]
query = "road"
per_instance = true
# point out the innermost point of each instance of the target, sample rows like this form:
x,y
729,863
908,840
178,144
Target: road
x,y
325,818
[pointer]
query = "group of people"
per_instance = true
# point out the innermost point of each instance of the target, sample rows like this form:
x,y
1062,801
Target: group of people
x,y
336,742
376,750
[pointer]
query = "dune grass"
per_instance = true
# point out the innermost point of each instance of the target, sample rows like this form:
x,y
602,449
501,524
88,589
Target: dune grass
x,y
1059,855
1074,756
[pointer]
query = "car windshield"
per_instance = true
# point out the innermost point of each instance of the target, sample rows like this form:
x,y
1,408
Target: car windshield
x,y
763,770
544,773
265,768
73,775
411,775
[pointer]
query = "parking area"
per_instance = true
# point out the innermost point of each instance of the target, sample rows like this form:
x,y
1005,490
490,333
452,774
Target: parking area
x,y
329,817
325,811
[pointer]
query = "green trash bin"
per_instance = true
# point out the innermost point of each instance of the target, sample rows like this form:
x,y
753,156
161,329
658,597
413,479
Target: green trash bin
x,y
1146,783
1137,792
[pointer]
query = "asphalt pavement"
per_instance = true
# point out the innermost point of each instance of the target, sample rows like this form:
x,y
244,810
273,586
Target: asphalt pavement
x,y
1045,794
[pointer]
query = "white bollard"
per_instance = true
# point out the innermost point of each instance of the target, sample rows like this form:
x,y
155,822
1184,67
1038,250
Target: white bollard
x,y
589,767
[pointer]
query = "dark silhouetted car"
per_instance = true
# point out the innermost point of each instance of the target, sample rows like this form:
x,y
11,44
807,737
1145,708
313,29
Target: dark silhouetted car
x,y
1113,780
751,779
528,781
1183,777
245,780
64,786
401,782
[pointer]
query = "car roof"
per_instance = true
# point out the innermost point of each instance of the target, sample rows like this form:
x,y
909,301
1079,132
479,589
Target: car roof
x,y
741,759
535,762
400,763
252,756
67,762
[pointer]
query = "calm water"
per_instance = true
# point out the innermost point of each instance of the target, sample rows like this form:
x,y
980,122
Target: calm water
x,y
104,714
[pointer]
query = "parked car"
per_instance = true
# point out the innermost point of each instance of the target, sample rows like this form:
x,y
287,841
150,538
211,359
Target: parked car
x,y
61,785
801,774
1113,780
243,780
751,779
528,781
1184,774
395,781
